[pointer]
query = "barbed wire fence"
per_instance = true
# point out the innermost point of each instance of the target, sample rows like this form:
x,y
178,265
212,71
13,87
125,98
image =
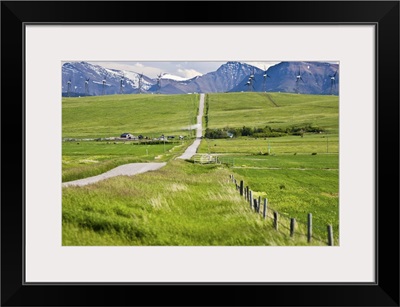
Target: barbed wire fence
x,y
283,222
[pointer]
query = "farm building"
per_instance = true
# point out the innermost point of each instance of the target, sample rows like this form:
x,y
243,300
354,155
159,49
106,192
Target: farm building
x,y
127,136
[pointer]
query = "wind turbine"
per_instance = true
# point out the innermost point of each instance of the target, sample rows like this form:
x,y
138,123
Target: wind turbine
x,y
252,74
140,83
104,85
250,81
298,78
159,83
249,84
333,81
121,84
265,76
68,86
87,86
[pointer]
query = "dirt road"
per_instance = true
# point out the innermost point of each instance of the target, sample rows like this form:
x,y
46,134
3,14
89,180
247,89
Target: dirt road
x,y
122,170
137,168
192,149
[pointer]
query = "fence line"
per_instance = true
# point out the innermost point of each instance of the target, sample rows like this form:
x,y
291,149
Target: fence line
x,y
292,225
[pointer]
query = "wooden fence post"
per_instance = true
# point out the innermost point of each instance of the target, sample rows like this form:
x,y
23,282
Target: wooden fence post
x,y
276,217
247,193
309,227
255,204
292,226
251,199
241,187
265,215
259,204
330,235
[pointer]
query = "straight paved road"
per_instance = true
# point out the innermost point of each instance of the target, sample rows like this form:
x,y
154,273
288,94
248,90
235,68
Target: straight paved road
x,y
192,149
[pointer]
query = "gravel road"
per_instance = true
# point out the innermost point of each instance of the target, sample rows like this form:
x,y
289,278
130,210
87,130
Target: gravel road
x,y
137,168
122,170
192,149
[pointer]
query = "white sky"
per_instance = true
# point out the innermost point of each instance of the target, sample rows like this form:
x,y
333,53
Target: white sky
x,y
181,69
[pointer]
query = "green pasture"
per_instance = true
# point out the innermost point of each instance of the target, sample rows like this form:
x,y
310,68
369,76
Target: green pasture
x,y
295,186
185,203
286,110
299,161
182,204
109,116
112,115
310,143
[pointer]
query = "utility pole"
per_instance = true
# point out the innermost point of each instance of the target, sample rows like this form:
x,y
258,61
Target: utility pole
x,y
327,144
164,141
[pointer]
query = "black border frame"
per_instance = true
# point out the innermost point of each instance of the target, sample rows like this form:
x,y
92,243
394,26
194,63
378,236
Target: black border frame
x,y
383,14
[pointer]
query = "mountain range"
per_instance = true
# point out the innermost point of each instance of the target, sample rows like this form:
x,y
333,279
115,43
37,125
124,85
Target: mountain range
x,y
86,79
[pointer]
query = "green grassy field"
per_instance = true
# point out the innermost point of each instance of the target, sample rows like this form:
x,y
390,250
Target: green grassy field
x,y
190,204
181,204
294,185
110,116
298,175
310,143
256,110
300,161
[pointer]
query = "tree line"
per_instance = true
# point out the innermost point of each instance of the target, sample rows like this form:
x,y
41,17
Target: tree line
x,y
267,131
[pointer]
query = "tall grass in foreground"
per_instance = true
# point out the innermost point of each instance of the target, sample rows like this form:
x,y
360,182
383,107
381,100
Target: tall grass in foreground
x,y
295,192
181,204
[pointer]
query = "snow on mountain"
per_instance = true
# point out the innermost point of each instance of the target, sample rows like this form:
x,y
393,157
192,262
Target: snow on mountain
x,y
100,80
82,78
222,80
173,77
316,78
